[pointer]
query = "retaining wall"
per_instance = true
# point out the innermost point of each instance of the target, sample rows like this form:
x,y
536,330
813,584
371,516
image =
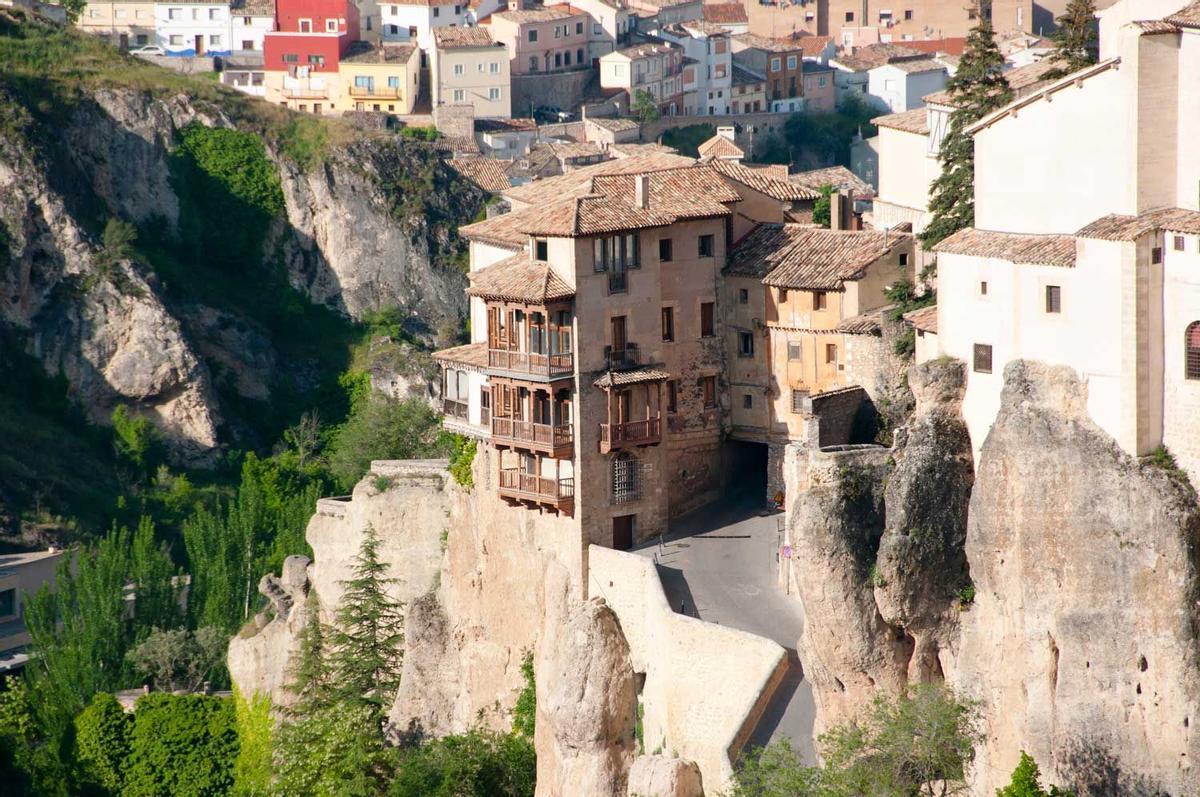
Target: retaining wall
x,y
763,123
562,89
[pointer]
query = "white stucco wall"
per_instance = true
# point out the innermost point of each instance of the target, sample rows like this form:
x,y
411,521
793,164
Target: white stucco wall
x,y
402,17
906,170
189,20
1181,396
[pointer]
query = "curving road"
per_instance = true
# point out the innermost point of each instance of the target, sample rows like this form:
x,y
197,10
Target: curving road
x,y
718,564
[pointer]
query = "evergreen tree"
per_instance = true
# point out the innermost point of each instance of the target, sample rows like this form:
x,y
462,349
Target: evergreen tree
x,y
310,677
977,88
1026,782
1075,39
368,635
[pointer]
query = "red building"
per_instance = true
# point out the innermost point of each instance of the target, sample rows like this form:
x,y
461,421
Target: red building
x,y
310,33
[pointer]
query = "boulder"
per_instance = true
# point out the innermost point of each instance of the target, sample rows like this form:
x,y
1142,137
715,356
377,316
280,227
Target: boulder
x,y
661,776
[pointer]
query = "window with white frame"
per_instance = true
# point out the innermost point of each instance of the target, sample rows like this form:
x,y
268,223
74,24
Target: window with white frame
x,y
791,62
459,69
494,94
460,95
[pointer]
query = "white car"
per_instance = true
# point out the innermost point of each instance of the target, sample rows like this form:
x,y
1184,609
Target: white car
x,y
149,49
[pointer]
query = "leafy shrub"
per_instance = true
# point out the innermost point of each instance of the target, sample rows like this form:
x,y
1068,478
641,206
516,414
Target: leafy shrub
x,y
462,454
102,732
238,161
420,133
379,427
180,659
252,770
137,441
688,139
182,746
525,710
966,595
822,207
479,763
1026,782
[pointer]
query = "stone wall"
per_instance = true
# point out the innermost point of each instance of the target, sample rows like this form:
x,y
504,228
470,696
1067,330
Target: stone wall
x,y
763,124
706,685
561,89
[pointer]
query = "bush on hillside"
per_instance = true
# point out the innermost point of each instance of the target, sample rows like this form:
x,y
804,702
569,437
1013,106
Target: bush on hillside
x,y
102,735
182,746
379,427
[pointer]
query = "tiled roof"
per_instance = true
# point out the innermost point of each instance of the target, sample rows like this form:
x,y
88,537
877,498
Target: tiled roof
x,y
565,150
802,257
502,231
452,38
813,46
864,324
917,65
592,214
873,55
472,355
1023,80
254,8
744,77
691,192
366,53
765,180
769,45
1186,17
456,145
1128,228
720,147
580,181
1151,27
1042,250
544,14
634,377
924,319
1042,90
487,173
950,46
694,26
519,279
523,125
726,13
914,121
837,176
614,124
647,49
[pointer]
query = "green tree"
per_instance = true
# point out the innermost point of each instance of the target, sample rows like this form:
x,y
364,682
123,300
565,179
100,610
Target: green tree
x,y
368,635
525,711
252,769
478,763
31,761
336,752
153,575
1075,39
644,106
136,440
822,207
180,660
1026,782
379,427
102,733
182,746
977,88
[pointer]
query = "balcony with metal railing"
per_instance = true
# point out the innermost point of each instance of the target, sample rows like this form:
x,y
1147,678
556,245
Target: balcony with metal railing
x,y
306,93
518,486
376,92
557,440
622,358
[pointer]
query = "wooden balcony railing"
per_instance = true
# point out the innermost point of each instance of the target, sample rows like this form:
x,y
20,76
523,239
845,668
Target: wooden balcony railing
x,y
631,433
537,435
455,409
620,359
514,483
529,363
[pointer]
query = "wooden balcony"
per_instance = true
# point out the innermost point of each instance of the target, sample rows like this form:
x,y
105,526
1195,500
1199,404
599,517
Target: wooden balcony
x,y
549,366
521,487
557,440
615,436
455,409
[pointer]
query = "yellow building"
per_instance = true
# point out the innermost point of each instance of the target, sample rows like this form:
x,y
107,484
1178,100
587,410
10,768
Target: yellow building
x,y
379,78
125,23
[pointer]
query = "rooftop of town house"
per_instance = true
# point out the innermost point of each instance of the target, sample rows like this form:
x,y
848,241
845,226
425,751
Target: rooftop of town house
x,y
614,124
1186,17
725,13
839,177
473,356
580,180
1043,90
915,65
462,37
543,14
1118,227
665,3
455,145
689,192
954,45
1023,80
501,231
914,121
720,147
647,49
367,53
803,257
635,376
697,26
253,8
419,3
1151,27
813,46
744,77
867,323
768,44
519,279
1040,250
769,180
521,125
924,319
631,150
487,173
875,55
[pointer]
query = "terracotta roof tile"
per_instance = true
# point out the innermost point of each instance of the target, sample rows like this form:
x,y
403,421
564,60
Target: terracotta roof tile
x,y
1186,17
917,65
765,180
801,257
456,145
1023,80
543,14
472,355
950,46
720,147
633,377
453,38
580,181
813,46
865,324
366,53
1151,27
691,192
769,45
590,215
614,124
501,231
924,319
1128,228
519,125
1043,250
487,173
520,279
726,13
914,121
837,176
632,149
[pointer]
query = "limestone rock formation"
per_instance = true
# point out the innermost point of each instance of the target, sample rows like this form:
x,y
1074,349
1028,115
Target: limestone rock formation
x,y
660,776
1082,642
259,658
586,705
922,563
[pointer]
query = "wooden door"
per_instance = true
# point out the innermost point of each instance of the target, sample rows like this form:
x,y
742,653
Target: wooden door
x,y
623,532
199,45
618,334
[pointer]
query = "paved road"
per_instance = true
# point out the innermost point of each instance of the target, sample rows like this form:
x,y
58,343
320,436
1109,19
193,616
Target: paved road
x,y
718,563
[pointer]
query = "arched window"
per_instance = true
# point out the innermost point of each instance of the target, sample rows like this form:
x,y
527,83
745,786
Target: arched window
x,y
1191,351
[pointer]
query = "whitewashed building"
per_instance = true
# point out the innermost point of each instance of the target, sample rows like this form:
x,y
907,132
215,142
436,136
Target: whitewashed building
x,y
708,66
415,20
249,22
193,27
610,26
1086,245
902,85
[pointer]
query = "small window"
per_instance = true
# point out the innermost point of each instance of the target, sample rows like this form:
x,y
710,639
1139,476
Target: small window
x,y
983,289
830,353
706,246
783,294
747,401
707,320
708,386
1156,255
668,324
664,250
460,95
494,94
743,296
1178,243
776,64
908,15
672,396
437,12
1191,344
791,62
983,358
532,35
8,602
795,350
849,16
745,344
820,300
798,399
903,259
541,250
331,26
459,69
578,28
1053,299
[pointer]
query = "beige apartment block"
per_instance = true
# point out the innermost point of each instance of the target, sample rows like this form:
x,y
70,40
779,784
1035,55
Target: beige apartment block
x,y
470,68
543,39
380,78
653,67
123,23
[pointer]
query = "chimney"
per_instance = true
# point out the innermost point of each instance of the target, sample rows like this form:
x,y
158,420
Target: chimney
x,y
726,132
885,237
835,211
641,191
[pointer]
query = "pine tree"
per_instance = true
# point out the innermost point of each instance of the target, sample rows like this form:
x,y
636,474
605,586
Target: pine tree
x,y
1075,39
977,88
368,634
1026,782
309,674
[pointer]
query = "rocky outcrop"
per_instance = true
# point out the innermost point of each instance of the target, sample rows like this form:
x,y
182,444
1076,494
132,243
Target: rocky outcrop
x,y
1086,580
260,655
586,703
922,565
660,776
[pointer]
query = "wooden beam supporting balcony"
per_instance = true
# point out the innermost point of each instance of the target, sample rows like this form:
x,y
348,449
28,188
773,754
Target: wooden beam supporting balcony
x,y
518,486
556,440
